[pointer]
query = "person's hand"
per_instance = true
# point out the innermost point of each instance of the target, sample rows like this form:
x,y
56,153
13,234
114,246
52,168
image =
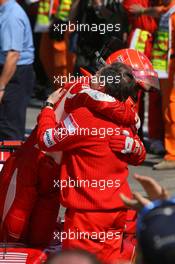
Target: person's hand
x,y
137,203
125,144
158,10
153,190
56,95
136,9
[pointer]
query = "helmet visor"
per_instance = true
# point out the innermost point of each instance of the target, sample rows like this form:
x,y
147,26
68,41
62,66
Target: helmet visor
x,y
147,79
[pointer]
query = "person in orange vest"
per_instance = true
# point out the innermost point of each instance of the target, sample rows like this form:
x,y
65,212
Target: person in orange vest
x,y
142,29
163,58
43,20
54,46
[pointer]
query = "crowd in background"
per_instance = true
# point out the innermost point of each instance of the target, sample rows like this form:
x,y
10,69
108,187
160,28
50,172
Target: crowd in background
x,y
63,53
147,26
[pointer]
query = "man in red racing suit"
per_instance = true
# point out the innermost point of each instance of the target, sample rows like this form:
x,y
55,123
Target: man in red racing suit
x,y
91,176
31,173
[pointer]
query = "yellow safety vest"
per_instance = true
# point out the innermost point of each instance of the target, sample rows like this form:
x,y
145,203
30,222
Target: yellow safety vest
x,y
161,47
44,16
139,39
64,10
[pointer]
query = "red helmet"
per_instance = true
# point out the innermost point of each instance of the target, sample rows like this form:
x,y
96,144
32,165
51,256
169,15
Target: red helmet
x,y
142,68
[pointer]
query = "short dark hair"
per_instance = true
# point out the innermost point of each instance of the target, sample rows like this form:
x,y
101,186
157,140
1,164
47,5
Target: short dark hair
x,y
72,252
123,84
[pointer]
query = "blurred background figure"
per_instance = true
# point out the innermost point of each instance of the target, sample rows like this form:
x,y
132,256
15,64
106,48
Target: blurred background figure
x,y
156,232
155,224
158,43
16,70
141,37
73,257
42,85
100,13
163,58
54,54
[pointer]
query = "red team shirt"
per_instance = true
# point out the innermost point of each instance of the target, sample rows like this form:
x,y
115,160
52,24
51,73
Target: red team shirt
x,y
86,157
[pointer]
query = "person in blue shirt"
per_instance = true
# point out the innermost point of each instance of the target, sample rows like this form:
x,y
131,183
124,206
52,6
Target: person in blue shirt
x,y
16,70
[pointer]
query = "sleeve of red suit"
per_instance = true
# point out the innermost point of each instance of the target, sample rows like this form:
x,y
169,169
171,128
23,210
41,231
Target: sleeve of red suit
x,y
130,148
119,112
136,158
53,136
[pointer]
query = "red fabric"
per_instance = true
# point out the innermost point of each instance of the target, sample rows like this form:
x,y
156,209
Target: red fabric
x,y
35,198
46,208
123,113
118,143
29,255
112,250
107,226
28,195
85,156
143,22
55,6
35,191
128,249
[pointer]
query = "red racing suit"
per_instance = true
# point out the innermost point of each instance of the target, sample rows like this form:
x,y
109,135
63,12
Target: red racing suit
x,y
27,195
29,170
81,95
88,158
18,253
